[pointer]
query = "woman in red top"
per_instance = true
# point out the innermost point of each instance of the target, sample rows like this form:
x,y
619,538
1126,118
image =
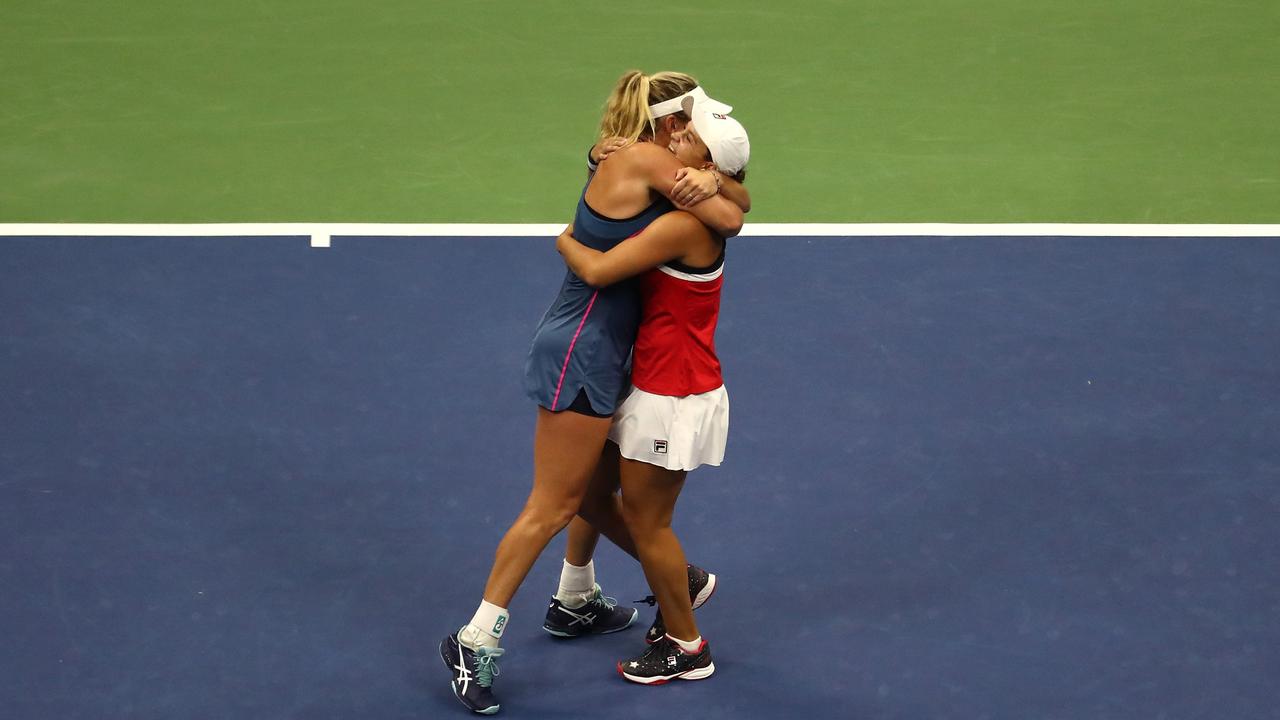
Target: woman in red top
x,y
676,417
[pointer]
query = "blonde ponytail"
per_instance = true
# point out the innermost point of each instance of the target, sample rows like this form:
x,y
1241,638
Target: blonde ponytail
x,y
626,114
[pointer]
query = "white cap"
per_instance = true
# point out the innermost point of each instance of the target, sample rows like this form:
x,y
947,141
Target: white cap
x,y
675,104
724,137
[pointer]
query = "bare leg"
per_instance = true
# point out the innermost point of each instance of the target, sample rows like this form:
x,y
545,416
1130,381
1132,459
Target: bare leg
x,y
581,546
601,512
649,496
566,450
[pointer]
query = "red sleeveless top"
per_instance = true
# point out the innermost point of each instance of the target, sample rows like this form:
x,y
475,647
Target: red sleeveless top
x,y
675,350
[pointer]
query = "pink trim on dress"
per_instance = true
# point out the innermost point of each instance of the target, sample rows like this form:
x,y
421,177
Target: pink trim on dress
x,y
569,354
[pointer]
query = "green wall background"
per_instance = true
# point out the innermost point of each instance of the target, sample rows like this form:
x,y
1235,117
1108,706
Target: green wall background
x,y
413,111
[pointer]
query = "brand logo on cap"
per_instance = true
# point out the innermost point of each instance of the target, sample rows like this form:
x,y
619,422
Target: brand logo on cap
x,y
718,116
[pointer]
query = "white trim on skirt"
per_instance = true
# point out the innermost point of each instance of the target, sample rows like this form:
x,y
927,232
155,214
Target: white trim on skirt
x,y
676,433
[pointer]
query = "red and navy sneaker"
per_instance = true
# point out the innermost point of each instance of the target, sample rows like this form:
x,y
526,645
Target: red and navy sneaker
x,y
702,585
665,661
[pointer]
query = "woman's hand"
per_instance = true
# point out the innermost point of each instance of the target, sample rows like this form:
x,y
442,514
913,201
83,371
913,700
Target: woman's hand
x,y
564,239
694,185
607,147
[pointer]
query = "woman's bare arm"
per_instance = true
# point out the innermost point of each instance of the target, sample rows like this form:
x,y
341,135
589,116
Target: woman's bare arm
x,y
668,238
659,167
694,185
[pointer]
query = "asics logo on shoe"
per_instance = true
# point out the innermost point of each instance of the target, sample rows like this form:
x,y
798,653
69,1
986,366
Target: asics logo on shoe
x,y
464,675
584,618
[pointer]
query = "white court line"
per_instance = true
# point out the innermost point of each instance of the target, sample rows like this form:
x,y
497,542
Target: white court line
x,y
321,233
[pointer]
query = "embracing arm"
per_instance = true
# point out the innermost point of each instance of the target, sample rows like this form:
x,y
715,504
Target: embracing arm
x,y
735,191
694,185
660,168
665,239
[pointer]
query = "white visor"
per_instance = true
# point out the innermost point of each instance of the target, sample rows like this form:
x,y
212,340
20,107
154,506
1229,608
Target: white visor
x,y
699,96
724,137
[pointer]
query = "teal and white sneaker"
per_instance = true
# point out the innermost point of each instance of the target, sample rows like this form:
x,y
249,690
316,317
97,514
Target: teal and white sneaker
x,y
598,616
473,672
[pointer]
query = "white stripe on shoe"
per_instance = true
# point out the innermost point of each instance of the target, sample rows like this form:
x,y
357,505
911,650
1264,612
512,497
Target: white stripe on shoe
x,y
706,592
694,674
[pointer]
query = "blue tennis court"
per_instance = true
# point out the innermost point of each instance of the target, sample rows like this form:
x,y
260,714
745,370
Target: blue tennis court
x,y
1032,477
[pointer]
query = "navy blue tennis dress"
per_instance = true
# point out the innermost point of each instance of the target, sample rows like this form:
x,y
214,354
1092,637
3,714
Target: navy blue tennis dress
x,y
584,340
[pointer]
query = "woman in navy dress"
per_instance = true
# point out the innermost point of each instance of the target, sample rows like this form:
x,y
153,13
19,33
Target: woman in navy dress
x,y
676,416
576,369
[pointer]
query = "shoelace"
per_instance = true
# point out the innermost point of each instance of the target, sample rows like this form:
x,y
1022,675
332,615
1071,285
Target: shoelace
x,y
487,665
658,651
608,602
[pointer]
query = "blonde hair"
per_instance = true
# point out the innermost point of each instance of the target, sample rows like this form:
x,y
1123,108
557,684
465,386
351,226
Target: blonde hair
x,y
626,113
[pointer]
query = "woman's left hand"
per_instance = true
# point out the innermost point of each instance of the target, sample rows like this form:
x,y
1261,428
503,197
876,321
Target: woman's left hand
x,y
565,237
606,147
694,185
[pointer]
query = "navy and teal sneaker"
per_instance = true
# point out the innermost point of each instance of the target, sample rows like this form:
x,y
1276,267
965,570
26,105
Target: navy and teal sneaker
x,y
702,585
473,673
665,661
598,616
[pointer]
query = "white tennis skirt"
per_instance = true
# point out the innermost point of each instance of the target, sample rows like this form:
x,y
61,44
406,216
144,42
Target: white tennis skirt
x,y
677,433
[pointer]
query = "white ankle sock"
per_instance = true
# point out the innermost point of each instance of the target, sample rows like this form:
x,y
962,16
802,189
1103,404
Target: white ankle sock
x,y
486,626
689,646
576,584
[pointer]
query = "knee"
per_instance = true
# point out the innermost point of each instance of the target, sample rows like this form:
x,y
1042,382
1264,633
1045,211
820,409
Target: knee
x,y
642,522
596,508
549,518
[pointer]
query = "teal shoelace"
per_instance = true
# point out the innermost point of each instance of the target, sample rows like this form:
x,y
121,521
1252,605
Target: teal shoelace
x,y
600,598
487,665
